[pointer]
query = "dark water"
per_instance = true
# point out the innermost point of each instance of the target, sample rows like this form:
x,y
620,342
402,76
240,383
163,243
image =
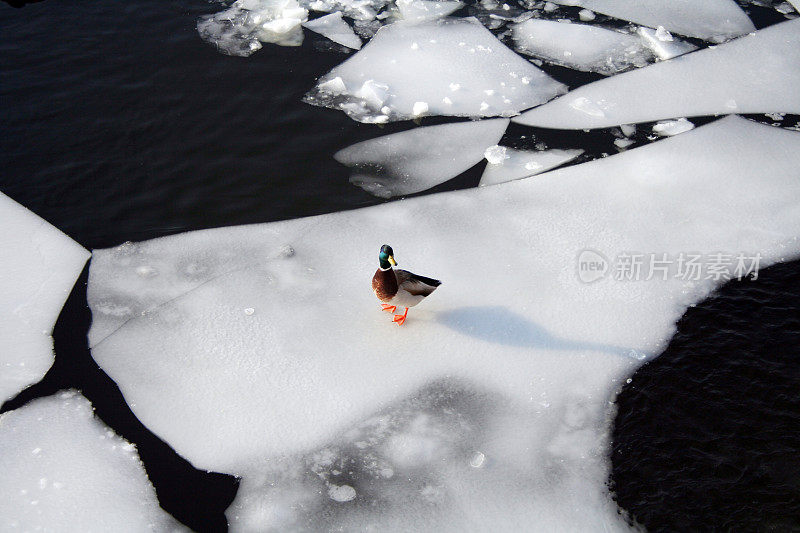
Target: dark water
x,y
118,123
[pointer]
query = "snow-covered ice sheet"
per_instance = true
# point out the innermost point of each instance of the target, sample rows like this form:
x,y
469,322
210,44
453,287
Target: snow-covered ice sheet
x,y
250,349
421,158
452,67
758,73
580,46
38,268
336,29
61,469
713,20
516,164
240,29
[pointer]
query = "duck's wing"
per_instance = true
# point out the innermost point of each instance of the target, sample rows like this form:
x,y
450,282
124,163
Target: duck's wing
x,y
414,284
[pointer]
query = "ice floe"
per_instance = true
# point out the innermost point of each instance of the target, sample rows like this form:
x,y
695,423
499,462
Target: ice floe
x,y
713,20
756,73
665,128
39,267
240,29
416,160
455,67
336,29
580,46
517,164
61,469
538,351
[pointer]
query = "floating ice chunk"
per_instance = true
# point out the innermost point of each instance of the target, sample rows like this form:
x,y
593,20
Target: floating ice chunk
x,y
586,15
667,128
580,46
623,143
418,159
495,154
313,361
240,29
39,267
61,469
461,63
713,20
425,10
517,164
336,29
753,74
628,130
419,109
664,48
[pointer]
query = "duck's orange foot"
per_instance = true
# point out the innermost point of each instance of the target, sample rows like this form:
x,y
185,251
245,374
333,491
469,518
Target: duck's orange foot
x,y
400,319
390,308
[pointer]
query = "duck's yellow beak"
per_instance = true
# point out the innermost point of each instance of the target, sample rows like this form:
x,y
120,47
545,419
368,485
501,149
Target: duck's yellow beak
x,y
392,261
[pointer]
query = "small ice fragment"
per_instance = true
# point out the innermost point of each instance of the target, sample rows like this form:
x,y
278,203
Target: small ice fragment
x,y
495,154
419,108
484,106
623,143
549,7
477,460
373,93
586,15
249,311
332,86
447,101
667,128
628,129
414,46
455,86
662,34
341,493
336,29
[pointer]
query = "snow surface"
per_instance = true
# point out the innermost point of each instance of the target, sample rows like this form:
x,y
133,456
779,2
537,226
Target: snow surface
x,y
713,20
580,46
61,469
517,164
416,160
455,67
261,350
757,73
39,267
240,29
336,29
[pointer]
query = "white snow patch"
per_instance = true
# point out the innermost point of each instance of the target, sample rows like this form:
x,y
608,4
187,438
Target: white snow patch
x,y
753,74
336,29
713,20
416,68
61,469
540,353
518,164
418,159
39,267
580,46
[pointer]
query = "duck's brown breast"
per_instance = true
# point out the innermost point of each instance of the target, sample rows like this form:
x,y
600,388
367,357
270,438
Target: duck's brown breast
x,y
384,283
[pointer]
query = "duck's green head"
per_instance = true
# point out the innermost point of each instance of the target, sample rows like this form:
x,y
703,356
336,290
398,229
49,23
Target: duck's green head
x,y
386,257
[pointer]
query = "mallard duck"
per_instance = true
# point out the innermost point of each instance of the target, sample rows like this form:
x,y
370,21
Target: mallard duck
x,y
399,288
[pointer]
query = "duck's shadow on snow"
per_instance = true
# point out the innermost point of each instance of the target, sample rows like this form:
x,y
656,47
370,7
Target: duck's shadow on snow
x,y
500,325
